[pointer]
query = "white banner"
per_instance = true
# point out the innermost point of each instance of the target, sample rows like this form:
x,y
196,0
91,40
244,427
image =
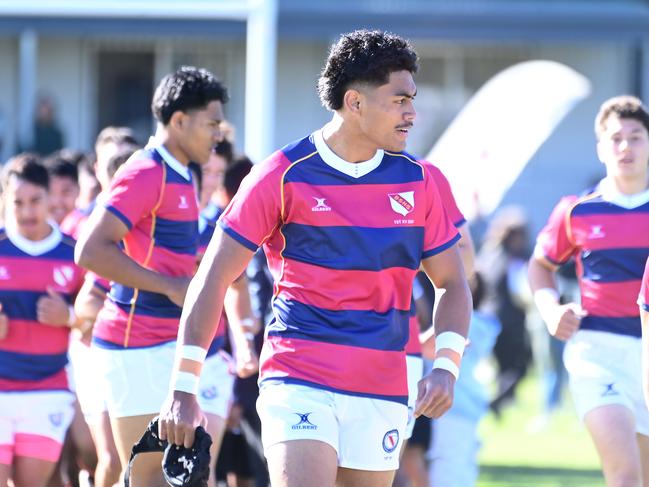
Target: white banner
x,y
486,147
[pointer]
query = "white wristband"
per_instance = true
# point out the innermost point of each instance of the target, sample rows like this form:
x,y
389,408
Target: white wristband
x,y
545,296
446,363
193,352
72,320
186,382
451,340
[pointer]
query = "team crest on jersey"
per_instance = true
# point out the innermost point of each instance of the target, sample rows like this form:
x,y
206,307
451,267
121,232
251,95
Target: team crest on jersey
x,y
304,423
63,274
4,274
402,203
183,205
56,419
390,441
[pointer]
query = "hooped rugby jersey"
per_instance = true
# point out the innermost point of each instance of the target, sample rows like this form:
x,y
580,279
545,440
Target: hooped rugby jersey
x,y
608,235
343,243
643,298
33,355
153,195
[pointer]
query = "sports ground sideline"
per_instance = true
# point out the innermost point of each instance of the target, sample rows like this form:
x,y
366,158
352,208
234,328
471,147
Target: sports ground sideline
x,y
523,449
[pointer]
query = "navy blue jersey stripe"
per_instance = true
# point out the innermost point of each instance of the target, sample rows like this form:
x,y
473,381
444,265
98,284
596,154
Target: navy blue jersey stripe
x,y
23,366
614,265
622,326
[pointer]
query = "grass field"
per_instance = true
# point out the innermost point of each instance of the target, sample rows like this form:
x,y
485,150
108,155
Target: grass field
x,y
516,452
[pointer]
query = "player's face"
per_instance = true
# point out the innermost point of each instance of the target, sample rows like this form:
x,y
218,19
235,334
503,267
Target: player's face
x,y
212,177
202,131
389,111
63,195
624,148
27,208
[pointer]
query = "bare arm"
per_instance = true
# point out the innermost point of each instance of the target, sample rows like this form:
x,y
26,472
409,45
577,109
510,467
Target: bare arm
x,y
644,318
562,321
467,250
453,314
243,325
224,260
97,250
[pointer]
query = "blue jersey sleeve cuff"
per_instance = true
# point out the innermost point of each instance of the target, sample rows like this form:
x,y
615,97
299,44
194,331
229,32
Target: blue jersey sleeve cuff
x,y
120,215
441,248
238,237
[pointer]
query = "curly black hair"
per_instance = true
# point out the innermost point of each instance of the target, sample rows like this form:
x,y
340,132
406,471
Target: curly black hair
x,y
365,56
189,88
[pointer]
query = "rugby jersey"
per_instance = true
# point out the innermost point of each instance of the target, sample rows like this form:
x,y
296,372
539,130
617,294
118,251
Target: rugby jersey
x,y
343,242
413,346
153,195
33,355
608,235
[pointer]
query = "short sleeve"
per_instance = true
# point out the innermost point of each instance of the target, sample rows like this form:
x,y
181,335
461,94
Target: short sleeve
x,y
553,242
135,191
445,192
439,232
255,211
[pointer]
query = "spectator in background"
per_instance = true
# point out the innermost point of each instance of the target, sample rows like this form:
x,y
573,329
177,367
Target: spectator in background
x,y
48,137
455,446
504,255
64,185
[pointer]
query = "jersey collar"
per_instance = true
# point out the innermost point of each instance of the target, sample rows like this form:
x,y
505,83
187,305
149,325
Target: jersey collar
x,y
38,247
612,195
352,169
171,161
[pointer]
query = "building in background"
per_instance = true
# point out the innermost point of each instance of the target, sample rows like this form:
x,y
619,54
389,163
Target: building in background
x,y
99,65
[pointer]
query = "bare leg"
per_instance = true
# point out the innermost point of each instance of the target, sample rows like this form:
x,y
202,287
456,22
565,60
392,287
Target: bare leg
x,y
613,431
108,464
298,463
32,472
348,477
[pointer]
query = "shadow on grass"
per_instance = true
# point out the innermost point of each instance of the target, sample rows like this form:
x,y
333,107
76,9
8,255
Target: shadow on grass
x,y
501,476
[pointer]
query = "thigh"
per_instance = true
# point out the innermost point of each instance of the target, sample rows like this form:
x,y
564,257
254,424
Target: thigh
x,y
32,472
302,462
5,473
612,429
146,469
348,477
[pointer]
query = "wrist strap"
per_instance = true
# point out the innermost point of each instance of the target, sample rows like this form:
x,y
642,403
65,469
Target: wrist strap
x,y
72,320
193,352
446,363
186,382
450,340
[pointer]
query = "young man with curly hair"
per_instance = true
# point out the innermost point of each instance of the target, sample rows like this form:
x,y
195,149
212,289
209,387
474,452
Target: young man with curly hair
x,y
345,217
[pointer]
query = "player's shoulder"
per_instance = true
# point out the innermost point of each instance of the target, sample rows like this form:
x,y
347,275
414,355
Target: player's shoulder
x,y
144,163
281,161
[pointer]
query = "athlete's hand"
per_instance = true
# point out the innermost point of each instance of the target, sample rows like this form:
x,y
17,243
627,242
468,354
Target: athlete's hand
x,y
563,320
4,324
177,289
52,309
179,417
435,394
245,357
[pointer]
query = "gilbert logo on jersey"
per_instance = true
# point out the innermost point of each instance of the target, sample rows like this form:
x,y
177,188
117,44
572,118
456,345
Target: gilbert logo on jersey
x,y
596,232
62,275
320,204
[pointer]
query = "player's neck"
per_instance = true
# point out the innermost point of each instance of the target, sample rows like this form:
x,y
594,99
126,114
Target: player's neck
x,y
630,186
346,142
163,137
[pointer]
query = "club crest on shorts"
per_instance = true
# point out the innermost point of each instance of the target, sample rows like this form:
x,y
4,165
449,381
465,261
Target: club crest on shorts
x,y
390,441
56,419
304,423
209,393
402,203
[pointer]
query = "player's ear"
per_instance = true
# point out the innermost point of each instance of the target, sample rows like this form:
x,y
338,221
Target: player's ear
x,y
352,100
177,120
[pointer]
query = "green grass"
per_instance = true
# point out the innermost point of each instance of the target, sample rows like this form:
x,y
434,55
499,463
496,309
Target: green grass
x,y
515,453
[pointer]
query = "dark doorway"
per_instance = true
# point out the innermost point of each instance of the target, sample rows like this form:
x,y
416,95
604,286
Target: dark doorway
x,y
125,91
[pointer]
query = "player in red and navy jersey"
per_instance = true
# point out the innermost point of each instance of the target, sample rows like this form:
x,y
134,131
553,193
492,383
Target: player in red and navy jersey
x,y
38,280
144,239
607,232
643,301
345,218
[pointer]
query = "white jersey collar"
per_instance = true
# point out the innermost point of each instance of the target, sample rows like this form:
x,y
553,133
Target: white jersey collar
x,y
353,169
171,161
611,194
38,247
